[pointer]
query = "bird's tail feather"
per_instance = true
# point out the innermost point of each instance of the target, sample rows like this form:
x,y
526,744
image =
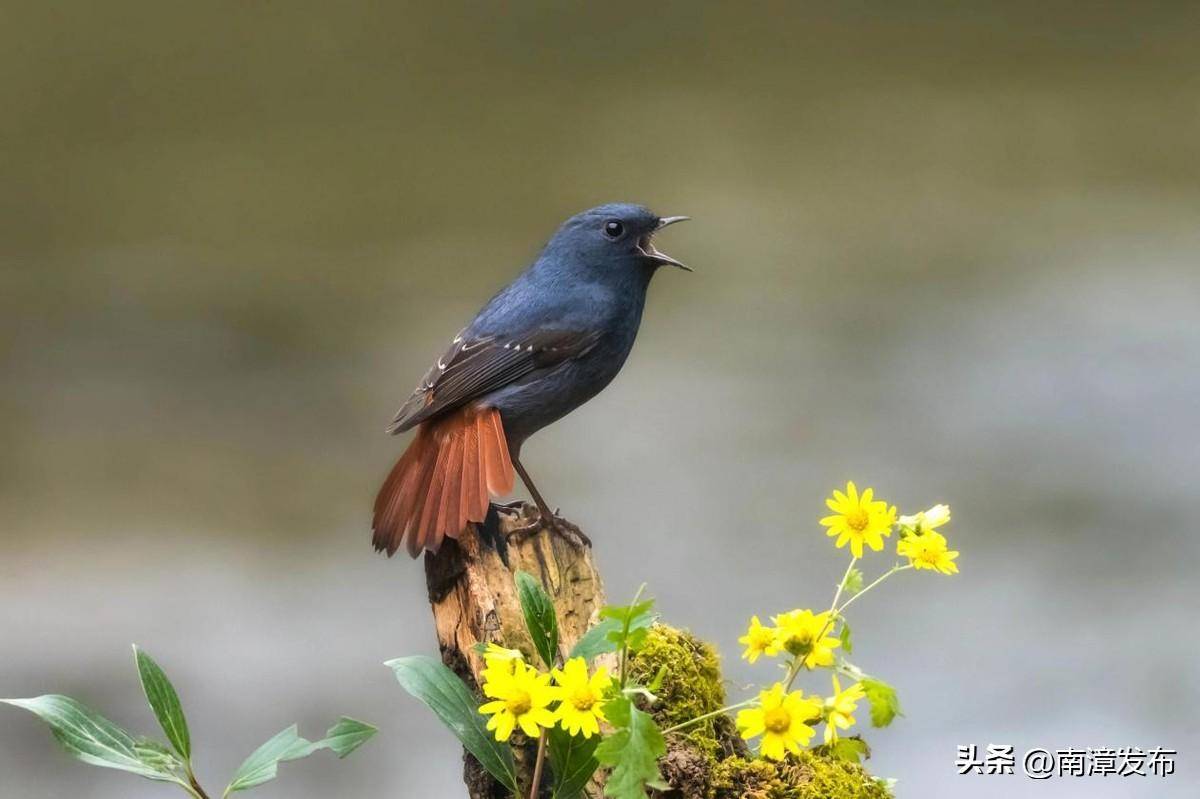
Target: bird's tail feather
x,y
443,481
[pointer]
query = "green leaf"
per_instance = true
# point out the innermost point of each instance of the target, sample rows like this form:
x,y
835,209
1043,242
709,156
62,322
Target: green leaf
x,y
598,640
347,735
263,764
854,582
540,616
885,705
164,702
633,622
88,736
154,754
572,761
852,749
844,637
441,690
632,751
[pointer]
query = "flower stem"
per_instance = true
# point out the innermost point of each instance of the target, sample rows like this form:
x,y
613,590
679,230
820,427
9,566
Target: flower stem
x,y
834,610
841,587
537,766
707,716
884,576
625,636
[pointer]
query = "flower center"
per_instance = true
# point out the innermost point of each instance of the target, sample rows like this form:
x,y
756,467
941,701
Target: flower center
x,y
800,643
583,699
777,720
519,703
857,520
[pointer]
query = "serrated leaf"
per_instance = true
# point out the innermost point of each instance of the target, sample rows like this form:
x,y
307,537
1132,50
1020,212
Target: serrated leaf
x,y
540,616
844,637
854,582
632,624
346,736
852,749
164,702
440,689
885,705
632,751
263,763
91,738
572,762
597,641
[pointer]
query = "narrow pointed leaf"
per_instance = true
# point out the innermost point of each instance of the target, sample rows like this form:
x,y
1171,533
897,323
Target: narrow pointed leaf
x,y
164,702
572,762
88,736
441,690
263,764
540,616
156,755
346,736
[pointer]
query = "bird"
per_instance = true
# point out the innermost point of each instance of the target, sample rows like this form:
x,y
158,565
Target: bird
x,y
542,346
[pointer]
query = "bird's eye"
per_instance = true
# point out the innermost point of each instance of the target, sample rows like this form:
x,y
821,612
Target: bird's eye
x,y
613,229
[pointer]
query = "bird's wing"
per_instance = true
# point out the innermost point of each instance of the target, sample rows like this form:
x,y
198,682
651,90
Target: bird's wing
x,y
476,365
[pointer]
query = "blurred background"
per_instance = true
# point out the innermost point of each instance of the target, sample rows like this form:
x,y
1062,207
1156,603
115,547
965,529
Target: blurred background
x,y
949,250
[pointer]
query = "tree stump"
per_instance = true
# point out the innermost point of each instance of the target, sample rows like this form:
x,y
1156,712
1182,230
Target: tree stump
x,y
472,592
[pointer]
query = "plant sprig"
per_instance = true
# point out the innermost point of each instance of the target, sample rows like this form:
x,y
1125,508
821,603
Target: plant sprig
x,y
91,738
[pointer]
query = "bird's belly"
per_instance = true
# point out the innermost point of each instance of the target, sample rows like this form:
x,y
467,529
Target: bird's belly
x,y
543,398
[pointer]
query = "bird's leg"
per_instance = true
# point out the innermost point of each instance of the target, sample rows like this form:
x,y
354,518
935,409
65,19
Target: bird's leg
x,y
508,508
568,531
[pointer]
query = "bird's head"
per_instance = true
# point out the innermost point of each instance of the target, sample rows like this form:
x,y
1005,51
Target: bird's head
x,y
617,238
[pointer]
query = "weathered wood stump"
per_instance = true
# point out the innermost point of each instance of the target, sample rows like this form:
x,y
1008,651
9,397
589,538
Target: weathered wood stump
x,y
472,592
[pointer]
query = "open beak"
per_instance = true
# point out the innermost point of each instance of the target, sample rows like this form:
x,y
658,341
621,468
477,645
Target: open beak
x,y
646,244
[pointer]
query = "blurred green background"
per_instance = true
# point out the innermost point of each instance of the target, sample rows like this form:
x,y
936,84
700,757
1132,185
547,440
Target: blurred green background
x,y
950,250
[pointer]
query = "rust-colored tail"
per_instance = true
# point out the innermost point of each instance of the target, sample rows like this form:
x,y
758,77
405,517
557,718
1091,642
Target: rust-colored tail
x,y
443,480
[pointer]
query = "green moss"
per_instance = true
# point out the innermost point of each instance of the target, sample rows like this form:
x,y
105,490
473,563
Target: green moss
x,y
807,776
709,760
691,685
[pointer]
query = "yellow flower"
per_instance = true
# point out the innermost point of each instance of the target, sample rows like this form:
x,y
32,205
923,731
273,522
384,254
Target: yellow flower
x,y
928,551
800,633
497,659
521,700
839,707
781,719
930,519
758,640
857,519
582,706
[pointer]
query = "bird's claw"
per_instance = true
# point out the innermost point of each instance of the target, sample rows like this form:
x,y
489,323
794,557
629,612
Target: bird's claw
x,y
556,524
509,508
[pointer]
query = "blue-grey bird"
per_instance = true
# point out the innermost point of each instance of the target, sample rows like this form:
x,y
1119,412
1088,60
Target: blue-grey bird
x,y
543,346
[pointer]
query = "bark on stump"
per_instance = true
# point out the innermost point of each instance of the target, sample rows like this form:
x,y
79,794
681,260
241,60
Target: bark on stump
x,y
472,592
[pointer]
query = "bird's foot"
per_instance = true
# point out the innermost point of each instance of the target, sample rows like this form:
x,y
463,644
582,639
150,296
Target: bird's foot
x,y
555,523
509,508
